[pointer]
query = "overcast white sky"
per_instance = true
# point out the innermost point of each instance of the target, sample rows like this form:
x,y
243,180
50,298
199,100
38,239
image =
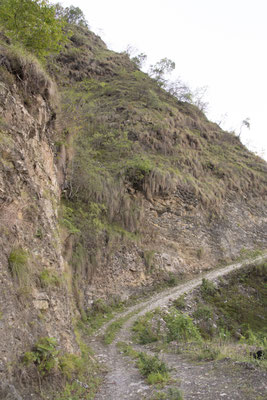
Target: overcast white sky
x,y
218,43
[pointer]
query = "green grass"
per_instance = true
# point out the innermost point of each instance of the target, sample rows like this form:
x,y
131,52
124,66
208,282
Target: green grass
x,y
81,374
44,355
149,258
180,327
143,331
49,278
246,253
229,320
203,312
230,317
167,327
115,326
179,303
158,378
207,288
18,265
219,349
100,313
207,352
151,367
239,303
127,350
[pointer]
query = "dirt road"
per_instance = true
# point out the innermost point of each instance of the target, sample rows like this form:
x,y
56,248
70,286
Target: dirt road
x,y
123,380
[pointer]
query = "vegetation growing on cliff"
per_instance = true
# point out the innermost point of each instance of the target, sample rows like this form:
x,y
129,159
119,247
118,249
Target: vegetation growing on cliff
x,y
122,145
19,265
76,375
131,137
129,141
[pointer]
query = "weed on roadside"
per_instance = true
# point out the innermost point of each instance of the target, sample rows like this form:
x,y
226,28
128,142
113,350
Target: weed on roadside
x,y
127,350
153,369
99,314
207,288
180,327
115,326
179,303
143,330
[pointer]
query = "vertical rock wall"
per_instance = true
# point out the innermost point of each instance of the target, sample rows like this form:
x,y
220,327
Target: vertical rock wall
x,y
34,300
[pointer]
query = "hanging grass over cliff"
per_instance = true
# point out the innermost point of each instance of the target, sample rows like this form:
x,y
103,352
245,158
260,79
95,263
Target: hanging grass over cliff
x,y
18,262
21,68
127,143
133,134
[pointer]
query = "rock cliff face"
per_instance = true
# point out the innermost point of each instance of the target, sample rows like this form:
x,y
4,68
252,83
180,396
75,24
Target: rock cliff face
x,y
107,188
29,198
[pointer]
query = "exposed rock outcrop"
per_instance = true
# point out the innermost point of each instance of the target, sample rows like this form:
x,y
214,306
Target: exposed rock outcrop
x,y
30,243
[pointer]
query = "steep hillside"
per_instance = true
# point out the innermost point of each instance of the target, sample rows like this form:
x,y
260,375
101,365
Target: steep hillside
x,y
150,185
35,301
109,186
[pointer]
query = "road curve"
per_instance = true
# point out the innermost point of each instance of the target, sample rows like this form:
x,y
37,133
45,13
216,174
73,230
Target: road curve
x,y
123,380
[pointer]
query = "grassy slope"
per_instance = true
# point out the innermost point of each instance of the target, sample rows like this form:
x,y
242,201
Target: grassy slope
x,y
128,140
130,135
240,303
